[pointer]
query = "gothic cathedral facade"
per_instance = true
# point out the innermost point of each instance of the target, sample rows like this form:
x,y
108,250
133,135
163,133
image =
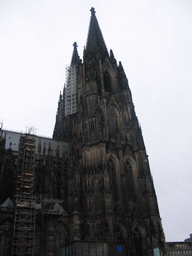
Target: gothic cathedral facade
x,y
110,197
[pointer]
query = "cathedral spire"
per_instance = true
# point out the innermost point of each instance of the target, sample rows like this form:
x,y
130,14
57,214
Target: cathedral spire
x,y
75,56
95,41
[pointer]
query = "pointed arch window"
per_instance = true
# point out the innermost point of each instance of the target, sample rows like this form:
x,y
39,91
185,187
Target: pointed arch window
x,y
138,245
112,179
112,123
129,181
107,82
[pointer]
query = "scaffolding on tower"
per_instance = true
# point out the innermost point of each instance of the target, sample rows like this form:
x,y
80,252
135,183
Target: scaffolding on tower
x,y
71,90
25,209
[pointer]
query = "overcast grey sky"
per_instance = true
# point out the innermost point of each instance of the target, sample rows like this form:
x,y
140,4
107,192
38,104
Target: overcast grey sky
x,y
152,39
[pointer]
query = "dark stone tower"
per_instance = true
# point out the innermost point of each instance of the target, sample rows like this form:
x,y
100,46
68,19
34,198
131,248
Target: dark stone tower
x,y
111,202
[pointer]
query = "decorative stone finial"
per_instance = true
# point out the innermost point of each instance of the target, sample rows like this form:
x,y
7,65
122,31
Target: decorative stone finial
x,y
75,45
92,11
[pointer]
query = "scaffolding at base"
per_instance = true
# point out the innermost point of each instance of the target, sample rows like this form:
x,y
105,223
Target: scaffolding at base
x,y
25,210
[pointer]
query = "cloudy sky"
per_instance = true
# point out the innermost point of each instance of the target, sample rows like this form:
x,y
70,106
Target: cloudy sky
x,y
152,39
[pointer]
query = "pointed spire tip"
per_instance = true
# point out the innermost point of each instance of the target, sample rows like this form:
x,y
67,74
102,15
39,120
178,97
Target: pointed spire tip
x,y
75,45
75,56
95,41
92,11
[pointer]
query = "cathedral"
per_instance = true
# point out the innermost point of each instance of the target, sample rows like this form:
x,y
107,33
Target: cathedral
x,y
97,196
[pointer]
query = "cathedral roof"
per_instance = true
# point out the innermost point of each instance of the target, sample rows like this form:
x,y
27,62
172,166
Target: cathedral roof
x,y
95,41
75,56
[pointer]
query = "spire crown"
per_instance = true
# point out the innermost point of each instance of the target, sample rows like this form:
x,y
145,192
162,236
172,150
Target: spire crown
x,y
95,42
93,11
75,45
75,56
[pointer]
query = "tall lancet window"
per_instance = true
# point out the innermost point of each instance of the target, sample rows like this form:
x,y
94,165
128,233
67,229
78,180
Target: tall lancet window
x,y
107,82
137,240
129,181
112,179
112,123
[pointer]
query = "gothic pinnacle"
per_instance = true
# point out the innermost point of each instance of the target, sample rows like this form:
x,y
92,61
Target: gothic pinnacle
x,y
92,11
75,56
